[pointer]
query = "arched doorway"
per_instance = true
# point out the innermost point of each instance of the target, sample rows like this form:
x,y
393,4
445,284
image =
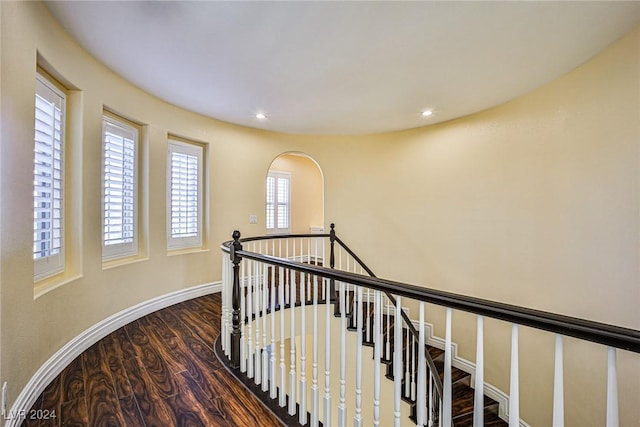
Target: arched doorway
x,y
294,195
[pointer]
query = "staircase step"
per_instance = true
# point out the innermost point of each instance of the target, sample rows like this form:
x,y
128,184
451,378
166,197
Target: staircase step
x,y
435,353
462,397
456,374
491,419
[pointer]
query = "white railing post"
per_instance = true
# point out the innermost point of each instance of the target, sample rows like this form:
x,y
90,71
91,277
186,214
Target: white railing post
x,y
612,388
248,279
273,387
357,419
397,362
422,373
407,364
257,363
326,422
342,408
246,355
315,397
446,386
282,394
292,352
478,398
558,385
377,353
302,417
514,386
265,302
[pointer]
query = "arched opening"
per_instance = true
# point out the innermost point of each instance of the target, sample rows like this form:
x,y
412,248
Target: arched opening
x,y
294,195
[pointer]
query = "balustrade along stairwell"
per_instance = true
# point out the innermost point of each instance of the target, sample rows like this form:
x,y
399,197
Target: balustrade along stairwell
x,y
278,340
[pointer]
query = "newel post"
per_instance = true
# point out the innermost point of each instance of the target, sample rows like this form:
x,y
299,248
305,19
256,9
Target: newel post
x,y
332,264
235,316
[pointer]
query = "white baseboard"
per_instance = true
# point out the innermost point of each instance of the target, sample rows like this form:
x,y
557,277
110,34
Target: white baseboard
x,y
74,348
463,364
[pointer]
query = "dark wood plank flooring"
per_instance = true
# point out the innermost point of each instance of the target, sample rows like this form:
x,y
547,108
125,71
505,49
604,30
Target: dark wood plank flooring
x,y
159,370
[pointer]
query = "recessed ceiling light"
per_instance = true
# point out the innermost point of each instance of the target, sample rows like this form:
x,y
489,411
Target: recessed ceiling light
x,y
426,113
261,116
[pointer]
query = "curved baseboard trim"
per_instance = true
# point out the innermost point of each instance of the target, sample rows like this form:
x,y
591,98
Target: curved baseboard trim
x,y
74,348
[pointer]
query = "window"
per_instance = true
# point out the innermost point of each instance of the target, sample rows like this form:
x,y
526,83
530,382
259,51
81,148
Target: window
x,y
48,179
119,188
278,196
184,199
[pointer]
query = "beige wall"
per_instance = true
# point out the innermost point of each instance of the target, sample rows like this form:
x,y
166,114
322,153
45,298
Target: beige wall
x,y
307,198
533,203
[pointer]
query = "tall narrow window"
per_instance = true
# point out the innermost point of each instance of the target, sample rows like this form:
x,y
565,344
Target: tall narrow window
x,y
278,196
119,188
185,195
48,179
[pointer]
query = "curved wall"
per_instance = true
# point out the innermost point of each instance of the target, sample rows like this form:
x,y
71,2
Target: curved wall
x,y
535,203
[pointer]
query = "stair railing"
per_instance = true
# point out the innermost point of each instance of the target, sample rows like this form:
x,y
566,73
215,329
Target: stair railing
x,y
412,335
282,282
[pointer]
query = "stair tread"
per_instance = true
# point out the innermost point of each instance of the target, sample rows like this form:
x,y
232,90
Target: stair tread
x,y
491,419
456,374
462,400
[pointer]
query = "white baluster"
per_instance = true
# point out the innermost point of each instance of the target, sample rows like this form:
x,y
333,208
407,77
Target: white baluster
x,y
422,374
342,408
292,369
327,358
446,398
368,327
387,341
478,398
302,416
286,289
514,398
246,281
431,397
414,370
309,276
558,385
258,303
315,397
397,362
357,419
324,257
612,388
407,358
273,387
377,354
282,395
265,301
243,316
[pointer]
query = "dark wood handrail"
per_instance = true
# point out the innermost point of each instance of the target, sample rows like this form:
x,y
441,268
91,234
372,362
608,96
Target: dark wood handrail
x,y
601,333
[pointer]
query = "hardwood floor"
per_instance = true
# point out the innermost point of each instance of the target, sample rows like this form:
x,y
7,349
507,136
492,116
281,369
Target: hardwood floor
x,y
159,370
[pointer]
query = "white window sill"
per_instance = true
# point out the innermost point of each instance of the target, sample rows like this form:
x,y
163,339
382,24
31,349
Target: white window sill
x,y
186,251
118,262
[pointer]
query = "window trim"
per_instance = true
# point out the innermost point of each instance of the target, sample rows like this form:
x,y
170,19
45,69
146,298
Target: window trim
x,y
129,249
192,149
52,265
275,230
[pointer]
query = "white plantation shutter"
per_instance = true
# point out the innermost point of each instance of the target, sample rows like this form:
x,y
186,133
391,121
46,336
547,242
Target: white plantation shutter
x,y
185,195
119,188
277,202
271,194
48,180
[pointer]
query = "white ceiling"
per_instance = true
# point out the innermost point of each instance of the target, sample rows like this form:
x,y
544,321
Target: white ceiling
x,y
342,67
